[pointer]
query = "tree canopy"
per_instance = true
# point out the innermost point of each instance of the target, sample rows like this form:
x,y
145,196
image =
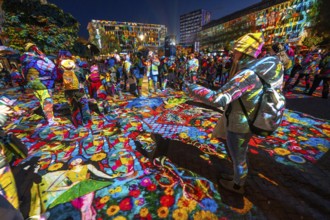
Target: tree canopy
x,y
44,24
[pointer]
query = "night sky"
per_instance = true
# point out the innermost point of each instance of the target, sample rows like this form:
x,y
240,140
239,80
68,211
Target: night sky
x,y
165,12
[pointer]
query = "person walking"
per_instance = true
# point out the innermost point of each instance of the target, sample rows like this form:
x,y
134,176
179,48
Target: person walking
x,y
323,76
40,73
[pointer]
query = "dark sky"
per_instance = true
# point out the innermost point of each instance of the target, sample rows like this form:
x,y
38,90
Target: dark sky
x,y
165,12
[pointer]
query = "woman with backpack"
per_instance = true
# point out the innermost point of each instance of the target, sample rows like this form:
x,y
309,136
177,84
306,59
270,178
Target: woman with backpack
x,y
245,88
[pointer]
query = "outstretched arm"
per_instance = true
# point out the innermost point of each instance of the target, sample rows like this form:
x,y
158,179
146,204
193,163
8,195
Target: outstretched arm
x,y
235,88
98,173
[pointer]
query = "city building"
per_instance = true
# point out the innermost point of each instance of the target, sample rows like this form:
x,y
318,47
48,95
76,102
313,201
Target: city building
x,y
129,36
190,24
279,20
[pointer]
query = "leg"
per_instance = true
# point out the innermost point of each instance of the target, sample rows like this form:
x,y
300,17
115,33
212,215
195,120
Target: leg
x,y
307,80
316,83
298,80
84,109
139,86
46,103
237,147
325,91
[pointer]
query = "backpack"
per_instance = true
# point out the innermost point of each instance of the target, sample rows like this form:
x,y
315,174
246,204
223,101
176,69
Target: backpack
x,y
269,114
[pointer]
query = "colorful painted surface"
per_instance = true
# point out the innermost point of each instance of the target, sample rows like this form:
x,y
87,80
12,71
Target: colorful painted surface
x,y
98,172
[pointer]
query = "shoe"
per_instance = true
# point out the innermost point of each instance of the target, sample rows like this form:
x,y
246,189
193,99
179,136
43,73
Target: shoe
x,y
231,186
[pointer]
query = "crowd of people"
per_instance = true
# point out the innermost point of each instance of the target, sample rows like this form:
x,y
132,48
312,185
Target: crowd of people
x,y
120,74
229,80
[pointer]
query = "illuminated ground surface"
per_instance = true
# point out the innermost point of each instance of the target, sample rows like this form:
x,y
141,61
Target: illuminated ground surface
x,y
289,176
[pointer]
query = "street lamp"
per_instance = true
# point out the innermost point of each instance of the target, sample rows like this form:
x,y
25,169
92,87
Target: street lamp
x,y
141,36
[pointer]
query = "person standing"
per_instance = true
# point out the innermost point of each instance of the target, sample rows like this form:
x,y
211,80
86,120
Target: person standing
x,y
126,70
163,72
323,76
78,101
152,72
94,81
245,85
138,70
309,67
192,68
40,74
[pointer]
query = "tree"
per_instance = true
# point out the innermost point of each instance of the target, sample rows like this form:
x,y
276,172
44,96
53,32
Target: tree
x,y
80,47
313,41
322,25
320,31
44,24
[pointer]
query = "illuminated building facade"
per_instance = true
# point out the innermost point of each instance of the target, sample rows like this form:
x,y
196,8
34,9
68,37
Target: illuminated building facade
x,y
279,20
129,35
2,19
190,24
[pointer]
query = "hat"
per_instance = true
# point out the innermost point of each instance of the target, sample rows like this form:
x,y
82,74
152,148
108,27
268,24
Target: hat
x,y
68,64
250,44
94,68
28,46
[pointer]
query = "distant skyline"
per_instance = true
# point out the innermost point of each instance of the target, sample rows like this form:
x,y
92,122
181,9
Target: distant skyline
x,y
165,12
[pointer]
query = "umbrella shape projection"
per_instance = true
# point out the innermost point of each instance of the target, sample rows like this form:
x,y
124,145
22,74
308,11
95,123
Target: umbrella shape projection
x,y
80,189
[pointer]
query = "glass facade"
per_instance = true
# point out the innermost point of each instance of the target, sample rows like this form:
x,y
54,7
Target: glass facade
x,y
278,20
190,24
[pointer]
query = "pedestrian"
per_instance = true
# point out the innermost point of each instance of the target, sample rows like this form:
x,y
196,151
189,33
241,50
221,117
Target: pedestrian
x,y
192,68
94,81
323,76
245,85
171,67
295,69
309,67
138,69
40,74
181,73
163,72
211,73
77,100
152,64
